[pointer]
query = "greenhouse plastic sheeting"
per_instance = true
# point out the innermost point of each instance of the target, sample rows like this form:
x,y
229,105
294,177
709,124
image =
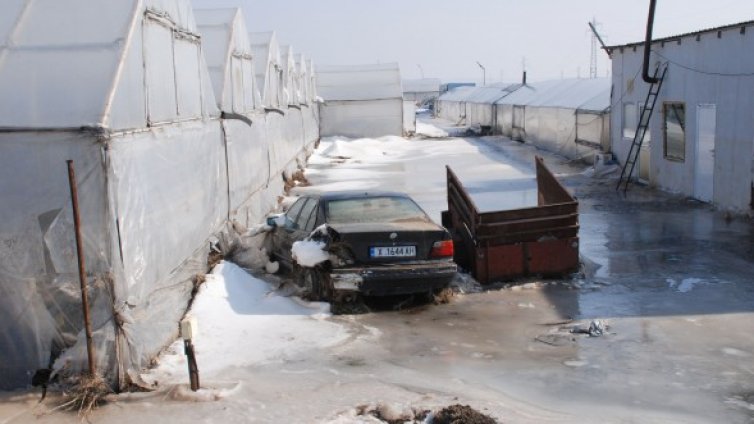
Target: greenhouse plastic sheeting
x,y
373,118
39,288
359,82
159,175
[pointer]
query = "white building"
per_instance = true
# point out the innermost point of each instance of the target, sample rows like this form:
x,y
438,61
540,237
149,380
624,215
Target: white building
x,y
567,116
421,90
701,134
360,100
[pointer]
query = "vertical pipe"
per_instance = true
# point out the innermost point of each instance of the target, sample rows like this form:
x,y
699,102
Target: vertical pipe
x,y
82,267
648,44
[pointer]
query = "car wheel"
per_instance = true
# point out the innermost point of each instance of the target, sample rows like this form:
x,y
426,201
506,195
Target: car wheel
x,y
316,284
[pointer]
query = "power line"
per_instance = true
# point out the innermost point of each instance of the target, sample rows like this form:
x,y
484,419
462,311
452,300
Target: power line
x,y
699,71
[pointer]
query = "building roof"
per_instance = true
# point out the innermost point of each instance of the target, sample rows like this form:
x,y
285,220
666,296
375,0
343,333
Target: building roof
x,y
487,94
573,93
359,82
457,94
67,67
610,49
423,85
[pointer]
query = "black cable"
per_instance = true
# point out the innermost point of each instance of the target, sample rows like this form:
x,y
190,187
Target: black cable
x,y
699,71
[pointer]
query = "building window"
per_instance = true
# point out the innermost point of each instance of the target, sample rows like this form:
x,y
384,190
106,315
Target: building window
x,y
629,120
674,130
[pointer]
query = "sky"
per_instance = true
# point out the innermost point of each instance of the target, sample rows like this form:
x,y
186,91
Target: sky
x,y
445,39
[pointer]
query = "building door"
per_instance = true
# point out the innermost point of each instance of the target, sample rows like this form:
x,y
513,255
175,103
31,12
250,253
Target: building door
x,y
704,159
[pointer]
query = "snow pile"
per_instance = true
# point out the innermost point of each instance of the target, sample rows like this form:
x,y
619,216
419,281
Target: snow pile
x,y
429,130
309,253
417,167
241,322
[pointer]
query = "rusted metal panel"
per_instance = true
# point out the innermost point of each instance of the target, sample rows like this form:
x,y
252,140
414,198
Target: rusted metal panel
x,y
501,245
553,257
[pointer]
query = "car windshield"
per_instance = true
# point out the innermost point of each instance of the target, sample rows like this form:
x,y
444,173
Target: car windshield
x,y
373,209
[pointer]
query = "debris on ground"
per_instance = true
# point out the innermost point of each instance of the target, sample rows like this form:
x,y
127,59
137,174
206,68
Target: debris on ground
x,y
83,394
461,414
564,333
298,179
393,415
453,414
596,328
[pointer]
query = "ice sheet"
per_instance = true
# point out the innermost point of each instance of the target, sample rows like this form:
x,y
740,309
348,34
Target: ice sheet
x,y
242,321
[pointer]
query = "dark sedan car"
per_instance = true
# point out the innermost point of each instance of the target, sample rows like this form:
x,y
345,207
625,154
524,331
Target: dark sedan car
x,y
378,243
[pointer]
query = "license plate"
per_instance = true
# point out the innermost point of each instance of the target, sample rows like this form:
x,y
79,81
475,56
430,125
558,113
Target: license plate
x,y
392,251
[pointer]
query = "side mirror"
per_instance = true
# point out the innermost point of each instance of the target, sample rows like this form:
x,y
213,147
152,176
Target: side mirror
x,y
276,220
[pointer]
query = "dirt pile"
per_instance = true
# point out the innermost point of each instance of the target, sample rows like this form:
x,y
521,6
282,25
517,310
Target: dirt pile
x,y
453,414
461,414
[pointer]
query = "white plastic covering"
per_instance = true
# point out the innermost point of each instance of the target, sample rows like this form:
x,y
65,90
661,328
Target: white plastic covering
x,y
313,93
269,68
231,64
359,82
473,105
360,100
290,75
229,58
304,98
421,90
569,116
409,117
423,85
123,89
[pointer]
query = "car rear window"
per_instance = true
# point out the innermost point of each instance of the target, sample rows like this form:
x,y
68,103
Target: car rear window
x,y
373,209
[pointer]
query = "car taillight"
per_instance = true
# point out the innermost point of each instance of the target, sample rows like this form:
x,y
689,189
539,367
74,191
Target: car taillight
x,y
442,249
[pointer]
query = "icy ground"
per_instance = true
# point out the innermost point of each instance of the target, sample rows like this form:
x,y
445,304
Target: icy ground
x,y
671,278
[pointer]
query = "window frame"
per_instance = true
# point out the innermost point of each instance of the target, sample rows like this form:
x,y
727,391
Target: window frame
x,y
665,107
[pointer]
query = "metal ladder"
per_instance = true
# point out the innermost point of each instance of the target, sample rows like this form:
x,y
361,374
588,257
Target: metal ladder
x,y
641,129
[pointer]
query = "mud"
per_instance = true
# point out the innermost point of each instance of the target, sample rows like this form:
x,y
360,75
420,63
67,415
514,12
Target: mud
x,y
461,414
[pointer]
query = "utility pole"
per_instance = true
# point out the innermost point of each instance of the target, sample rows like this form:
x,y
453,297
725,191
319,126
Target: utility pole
x,y
421,71
595,39
484,73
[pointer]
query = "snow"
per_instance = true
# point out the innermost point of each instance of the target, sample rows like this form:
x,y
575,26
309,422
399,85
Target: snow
x,y
429,130
417,167
242,322
309,253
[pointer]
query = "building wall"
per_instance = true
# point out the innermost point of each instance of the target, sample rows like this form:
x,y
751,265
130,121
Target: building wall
x,y
420,97
710,69
361,118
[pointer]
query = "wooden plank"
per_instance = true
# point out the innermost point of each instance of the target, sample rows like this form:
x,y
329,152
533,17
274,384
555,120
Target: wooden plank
x,y
528,213
551,233
527,225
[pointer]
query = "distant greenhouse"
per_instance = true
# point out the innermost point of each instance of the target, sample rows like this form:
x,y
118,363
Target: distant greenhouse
x,y
421,90
569,116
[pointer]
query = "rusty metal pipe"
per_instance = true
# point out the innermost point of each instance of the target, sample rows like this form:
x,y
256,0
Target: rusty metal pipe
x,y
648,44
82,266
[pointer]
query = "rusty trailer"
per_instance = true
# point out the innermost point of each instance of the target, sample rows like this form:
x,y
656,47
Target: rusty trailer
x,y
502,245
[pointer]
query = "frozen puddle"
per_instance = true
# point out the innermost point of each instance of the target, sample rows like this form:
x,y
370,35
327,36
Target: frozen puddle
x,y
688,284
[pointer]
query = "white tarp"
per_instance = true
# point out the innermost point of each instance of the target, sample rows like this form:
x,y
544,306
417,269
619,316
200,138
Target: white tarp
x,y
269,72
360,100
123,89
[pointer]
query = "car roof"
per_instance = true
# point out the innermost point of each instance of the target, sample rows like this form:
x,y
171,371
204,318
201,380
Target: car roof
x,y
355,194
